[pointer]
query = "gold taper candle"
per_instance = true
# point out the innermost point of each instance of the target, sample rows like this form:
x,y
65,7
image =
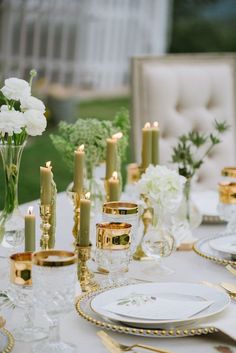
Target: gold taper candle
x,y
112,154
146,145
85,205
79,157
155,143
30,230
46,184
114,187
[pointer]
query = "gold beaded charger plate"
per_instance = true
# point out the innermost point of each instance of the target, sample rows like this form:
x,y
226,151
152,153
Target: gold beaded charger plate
x,y
195,327
6,341
203,248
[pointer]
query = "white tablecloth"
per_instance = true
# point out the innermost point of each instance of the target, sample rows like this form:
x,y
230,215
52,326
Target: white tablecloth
x,y
188,267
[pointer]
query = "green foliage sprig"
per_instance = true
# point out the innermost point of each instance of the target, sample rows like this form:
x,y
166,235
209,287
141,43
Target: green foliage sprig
x,y
185,153
93,134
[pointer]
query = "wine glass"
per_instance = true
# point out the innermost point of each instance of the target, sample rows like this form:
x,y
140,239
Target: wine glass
x,y
113,251
54,278
21,294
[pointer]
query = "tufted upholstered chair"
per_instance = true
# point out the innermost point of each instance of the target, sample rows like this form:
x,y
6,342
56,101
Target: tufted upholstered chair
x,y
184,92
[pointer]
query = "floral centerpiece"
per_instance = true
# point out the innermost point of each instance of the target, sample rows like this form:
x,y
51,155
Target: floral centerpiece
x,y
161,192
21,115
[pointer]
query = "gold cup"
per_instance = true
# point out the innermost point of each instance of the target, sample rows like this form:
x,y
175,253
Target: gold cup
x,y
54,258
227,193
113,236
21,268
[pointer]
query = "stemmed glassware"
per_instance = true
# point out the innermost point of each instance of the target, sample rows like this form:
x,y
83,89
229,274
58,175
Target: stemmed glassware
x,y
54,277
113,251
21,294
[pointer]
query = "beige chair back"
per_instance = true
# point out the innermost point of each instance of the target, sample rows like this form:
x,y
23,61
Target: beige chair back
x,y
184,92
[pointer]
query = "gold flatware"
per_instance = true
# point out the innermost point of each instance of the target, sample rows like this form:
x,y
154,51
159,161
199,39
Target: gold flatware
x,y
221,288
231,269
229,287
124,348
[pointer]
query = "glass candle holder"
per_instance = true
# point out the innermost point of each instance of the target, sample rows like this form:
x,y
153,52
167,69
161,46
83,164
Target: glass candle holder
x,y
113,250
123,212
54,276
21,294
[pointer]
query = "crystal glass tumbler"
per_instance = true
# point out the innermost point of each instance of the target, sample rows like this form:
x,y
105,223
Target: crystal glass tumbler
x,y
113,250
54,277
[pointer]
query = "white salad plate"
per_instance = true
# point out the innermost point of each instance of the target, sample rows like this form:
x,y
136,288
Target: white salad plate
x,y
215,301
225,244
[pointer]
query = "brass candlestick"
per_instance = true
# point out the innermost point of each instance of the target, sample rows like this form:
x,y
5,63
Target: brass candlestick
x,y
147,218
45,214
75,231
85,277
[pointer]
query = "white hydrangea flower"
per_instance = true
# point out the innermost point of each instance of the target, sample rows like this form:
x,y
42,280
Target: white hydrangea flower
x,y
162,186
16,88
35,122
11,121
32,103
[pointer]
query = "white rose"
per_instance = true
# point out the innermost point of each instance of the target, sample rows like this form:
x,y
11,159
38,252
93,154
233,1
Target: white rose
x,y
11,121
35,122
16,88
32,103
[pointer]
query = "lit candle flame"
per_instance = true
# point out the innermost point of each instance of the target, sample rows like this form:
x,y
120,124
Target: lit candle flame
x,y
48,164
147,125
115,175
87,195
117,136
156,124
80,148
30,210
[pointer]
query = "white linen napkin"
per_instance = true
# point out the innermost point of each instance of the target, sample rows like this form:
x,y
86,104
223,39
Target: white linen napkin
x,y
154,307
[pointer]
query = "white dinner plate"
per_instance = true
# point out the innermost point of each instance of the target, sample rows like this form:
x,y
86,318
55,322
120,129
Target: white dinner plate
x,y
225,244
184,291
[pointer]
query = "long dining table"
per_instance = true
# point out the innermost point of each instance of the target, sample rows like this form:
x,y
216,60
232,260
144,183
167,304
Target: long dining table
x,y
187,265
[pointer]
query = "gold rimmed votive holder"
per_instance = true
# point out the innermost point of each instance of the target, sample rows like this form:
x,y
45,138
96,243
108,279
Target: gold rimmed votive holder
x,y
45,214
21,291
85,276
227,204
229,172
113,250
21,268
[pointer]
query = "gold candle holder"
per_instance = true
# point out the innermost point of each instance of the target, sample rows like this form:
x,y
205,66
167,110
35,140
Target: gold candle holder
x,y
75,230
85,277
229,172
21,268
147,219
45,214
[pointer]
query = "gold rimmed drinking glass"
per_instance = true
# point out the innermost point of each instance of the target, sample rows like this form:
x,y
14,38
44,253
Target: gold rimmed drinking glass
x,y
227,204
21,294
54,276
113,250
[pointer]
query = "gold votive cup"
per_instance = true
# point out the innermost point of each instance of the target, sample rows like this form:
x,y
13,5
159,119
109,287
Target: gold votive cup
x,y
113,236
54,258
229,172
21,268
227,192
120,208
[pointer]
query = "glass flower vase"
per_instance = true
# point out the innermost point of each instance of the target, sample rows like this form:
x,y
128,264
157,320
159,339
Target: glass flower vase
x,y
187,217
11,219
